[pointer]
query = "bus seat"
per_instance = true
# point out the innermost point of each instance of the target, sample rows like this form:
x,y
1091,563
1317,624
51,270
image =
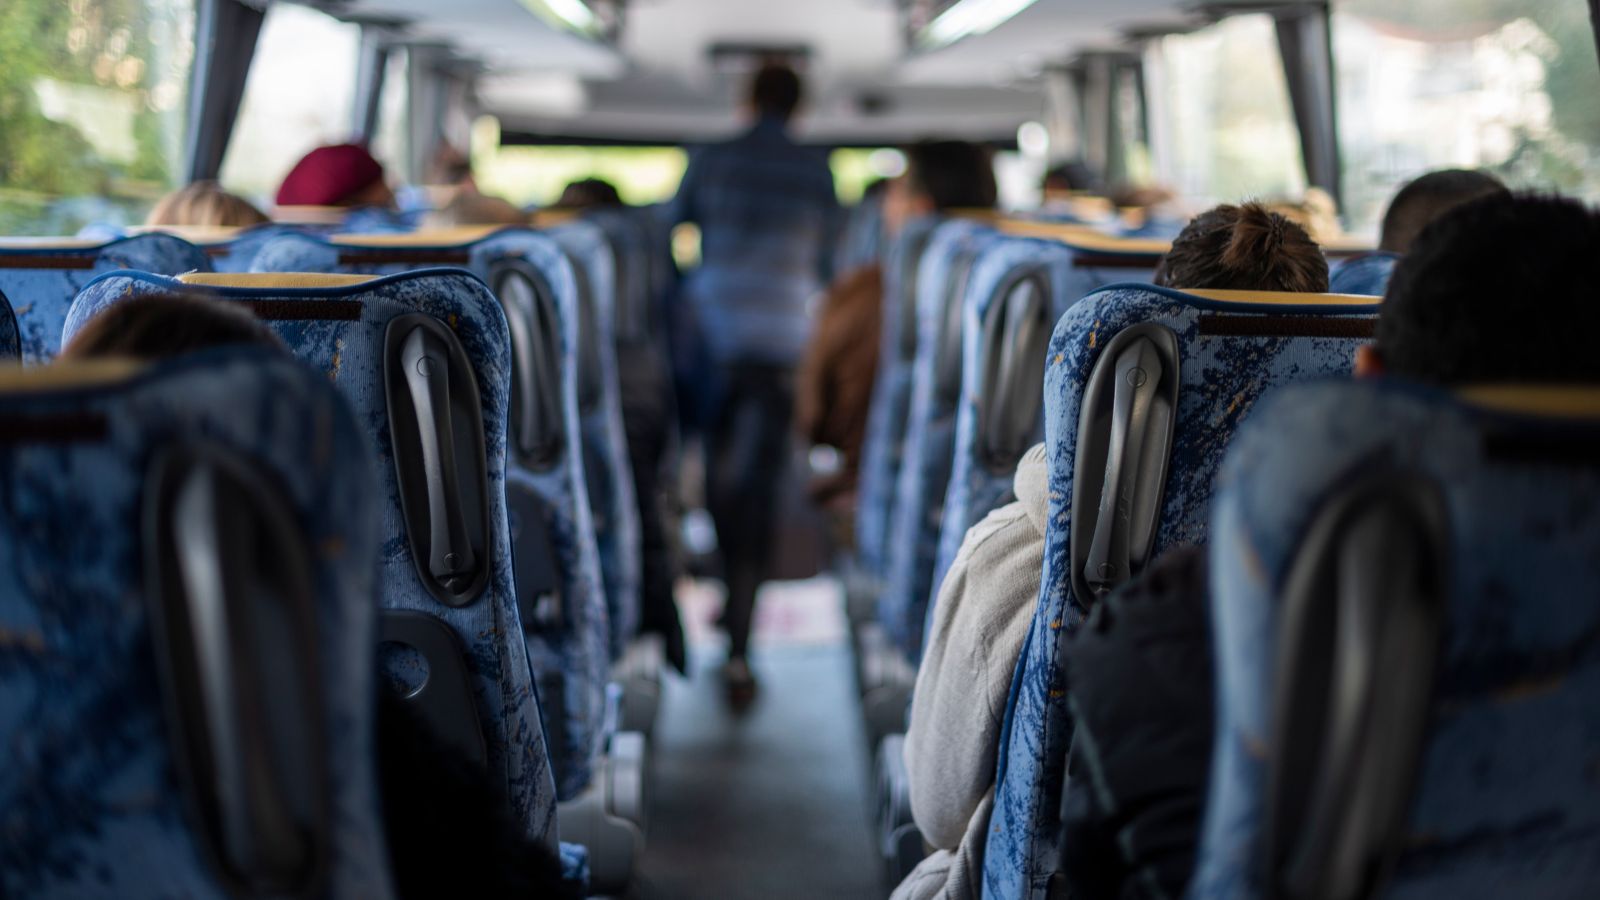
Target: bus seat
x,y
1365,274
608,463
125,486
1167,376
885,668
1404,611
891,401
946,271
234,249
40,278
522,260
1018,289
441,562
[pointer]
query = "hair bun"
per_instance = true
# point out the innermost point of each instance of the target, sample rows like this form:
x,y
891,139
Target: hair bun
x,y
1259,234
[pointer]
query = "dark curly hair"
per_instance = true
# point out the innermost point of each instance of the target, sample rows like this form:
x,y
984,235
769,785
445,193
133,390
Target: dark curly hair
x,y
1501,289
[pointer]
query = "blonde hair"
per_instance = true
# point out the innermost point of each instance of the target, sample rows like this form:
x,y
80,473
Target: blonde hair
x,y
204,203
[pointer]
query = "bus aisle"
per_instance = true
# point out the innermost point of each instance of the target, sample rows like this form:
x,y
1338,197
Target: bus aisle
x,y
769,804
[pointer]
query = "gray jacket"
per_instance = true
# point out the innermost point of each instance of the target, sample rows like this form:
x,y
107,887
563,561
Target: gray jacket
x,y
980,622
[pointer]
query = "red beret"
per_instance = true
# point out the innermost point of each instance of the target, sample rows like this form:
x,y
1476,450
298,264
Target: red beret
x,y
329,175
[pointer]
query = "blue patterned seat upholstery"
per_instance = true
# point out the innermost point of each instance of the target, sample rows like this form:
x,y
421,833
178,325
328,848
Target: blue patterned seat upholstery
x,y
1231,347
1501,799
101,797
562,484
10,337
925,459
977,486
338,325
40,279
607,468
891,397
1365,274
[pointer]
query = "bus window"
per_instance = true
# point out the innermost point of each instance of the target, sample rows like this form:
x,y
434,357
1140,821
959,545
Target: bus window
x,y
300,94
537,174
1231,133
1504,85
92,110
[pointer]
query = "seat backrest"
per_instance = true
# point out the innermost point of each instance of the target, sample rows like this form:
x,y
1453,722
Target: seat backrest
x,y
891,396
944,276
607,466
40,278
187,595
445,571
1167,377
235,249
1368,273
1404,604
536,284
1021,287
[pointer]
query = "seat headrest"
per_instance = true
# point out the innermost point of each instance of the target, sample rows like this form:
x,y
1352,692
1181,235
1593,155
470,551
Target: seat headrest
x,y
195,234
50,243
64,376
1284,298
1548,401
443,237
1084,238
273,279
309,215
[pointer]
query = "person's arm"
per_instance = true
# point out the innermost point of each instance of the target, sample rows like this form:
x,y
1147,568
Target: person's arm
x,y
980,622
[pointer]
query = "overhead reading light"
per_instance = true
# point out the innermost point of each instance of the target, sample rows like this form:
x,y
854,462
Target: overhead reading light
x,y
968,18
574,16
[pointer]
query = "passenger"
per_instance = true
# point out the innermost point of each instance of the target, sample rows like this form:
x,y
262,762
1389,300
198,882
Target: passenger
x,y
588,193
1140,670
336,175
834,383
458,199
159,326
768,215
1429,197
473,208
205,203
447,828
1067,180
986,602
1244,248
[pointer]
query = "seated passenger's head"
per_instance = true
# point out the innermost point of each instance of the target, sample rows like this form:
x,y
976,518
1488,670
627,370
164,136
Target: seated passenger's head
x,y
775,92
940,176
588,193
1067,178
473,208
1430,197
158,326
336,175
1499,290
204,203
1244,248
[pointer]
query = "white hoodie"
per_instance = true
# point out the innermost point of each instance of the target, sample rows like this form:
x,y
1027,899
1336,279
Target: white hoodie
x,y
980,622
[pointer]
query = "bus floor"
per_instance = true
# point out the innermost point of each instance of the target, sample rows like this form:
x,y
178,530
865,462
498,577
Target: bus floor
x,y
769,804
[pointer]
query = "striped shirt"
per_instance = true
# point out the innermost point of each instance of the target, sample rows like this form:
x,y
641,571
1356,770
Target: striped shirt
x,y
768,218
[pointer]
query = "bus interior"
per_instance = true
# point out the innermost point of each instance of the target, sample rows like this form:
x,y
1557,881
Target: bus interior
x,y
768,449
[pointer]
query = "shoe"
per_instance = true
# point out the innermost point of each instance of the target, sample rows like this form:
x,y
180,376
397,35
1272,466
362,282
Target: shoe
x,y
740,683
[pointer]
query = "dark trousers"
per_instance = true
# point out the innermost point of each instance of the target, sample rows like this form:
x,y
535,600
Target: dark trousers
x,y
747,454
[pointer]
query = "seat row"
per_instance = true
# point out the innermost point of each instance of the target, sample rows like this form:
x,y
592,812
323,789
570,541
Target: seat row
x,y
491,555
1137,395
